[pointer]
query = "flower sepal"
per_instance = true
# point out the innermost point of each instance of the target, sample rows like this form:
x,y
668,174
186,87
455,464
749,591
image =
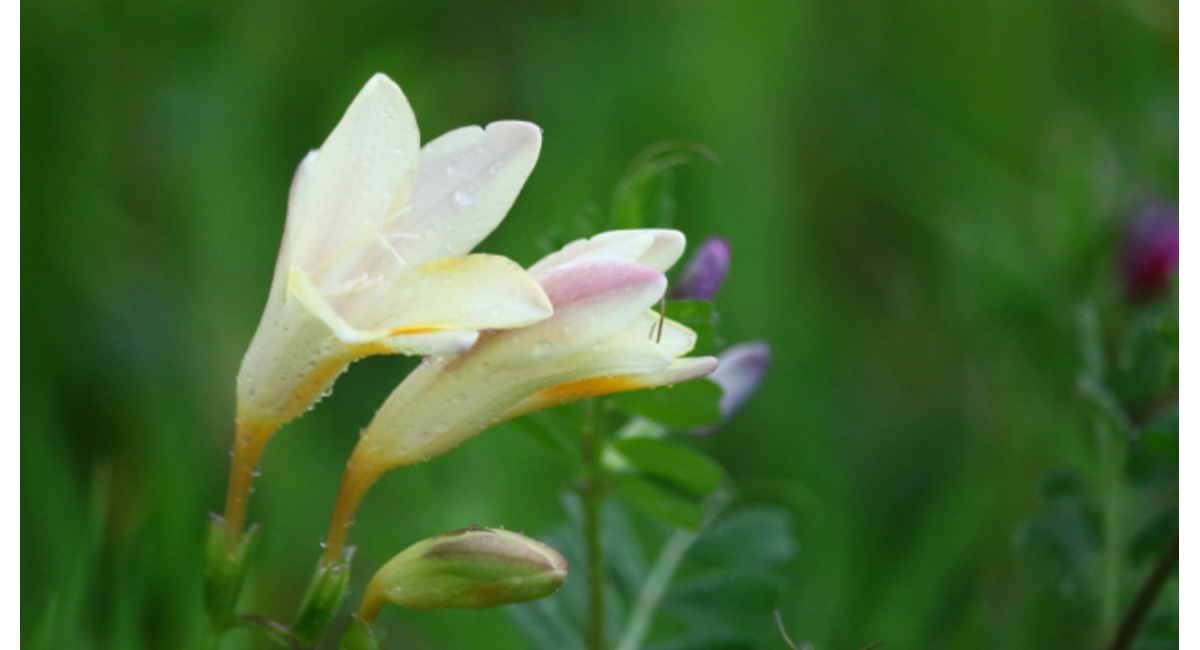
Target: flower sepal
x,y
361,635
323,599
225,570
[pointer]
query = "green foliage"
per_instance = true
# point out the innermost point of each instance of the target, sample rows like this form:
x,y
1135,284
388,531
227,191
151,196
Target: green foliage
x,y
672,462
688,405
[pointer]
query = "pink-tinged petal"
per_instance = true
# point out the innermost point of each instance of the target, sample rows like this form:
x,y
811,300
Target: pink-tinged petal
x,y
657,248
569,287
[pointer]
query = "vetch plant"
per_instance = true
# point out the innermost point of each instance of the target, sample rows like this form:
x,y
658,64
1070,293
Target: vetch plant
x,y
374,260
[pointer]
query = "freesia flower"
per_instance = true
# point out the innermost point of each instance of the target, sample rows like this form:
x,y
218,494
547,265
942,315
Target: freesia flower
x,y
705,272
740,374
373,261
603,338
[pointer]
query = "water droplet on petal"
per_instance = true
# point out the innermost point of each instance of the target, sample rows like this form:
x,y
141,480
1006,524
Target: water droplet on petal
x,y
466,194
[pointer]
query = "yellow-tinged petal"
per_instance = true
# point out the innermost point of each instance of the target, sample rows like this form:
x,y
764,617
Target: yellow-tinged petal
x,y
472,292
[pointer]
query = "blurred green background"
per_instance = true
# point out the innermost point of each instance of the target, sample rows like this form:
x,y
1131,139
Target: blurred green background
x,y
919,195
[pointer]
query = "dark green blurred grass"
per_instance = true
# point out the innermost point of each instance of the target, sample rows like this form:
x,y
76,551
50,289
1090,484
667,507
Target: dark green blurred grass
x,y
918,196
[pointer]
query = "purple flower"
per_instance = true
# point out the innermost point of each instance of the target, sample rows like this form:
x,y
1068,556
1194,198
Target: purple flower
x,y
1150,257
705,271
739,373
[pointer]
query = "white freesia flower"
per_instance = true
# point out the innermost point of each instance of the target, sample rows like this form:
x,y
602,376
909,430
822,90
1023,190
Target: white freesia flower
x,y
603,338
374,259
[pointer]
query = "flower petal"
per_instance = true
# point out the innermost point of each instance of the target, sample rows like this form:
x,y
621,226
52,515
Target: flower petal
x,y
359,180
592,302
472,292
657,248
676,339
677,371
467,180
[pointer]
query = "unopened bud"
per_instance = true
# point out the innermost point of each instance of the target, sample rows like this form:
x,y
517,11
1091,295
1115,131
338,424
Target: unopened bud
x,y
466,569
705,271
323,599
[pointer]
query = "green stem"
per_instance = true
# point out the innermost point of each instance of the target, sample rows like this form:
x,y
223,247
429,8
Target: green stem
x,y
1110,467
655,588
1146,597
592,494
659,579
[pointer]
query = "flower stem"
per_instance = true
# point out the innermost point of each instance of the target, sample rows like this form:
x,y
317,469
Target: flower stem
x,y
248,444
359,478
1146,596
592,493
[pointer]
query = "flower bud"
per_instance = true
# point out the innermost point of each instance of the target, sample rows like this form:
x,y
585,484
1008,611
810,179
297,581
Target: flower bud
x,y
225,570
323,598
705,271
466,569
1151,250
739,374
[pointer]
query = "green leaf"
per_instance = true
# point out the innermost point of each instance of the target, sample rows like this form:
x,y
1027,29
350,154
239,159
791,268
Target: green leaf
x,y
729,596
701,317
672,462
753,536
689,405
671,505
553,433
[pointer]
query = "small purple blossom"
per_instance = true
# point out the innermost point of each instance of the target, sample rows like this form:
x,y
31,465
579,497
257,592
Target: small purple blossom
x,y
705,271
739,373
1150,255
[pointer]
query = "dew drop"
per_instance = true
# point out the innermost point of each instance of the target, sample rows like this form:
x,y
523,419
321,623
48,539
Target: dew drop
x,y
466,194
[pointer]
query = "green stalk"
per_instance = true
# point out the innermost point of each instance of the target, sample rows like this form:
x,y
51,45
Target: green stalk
x,y
1110,467
661,574
592,494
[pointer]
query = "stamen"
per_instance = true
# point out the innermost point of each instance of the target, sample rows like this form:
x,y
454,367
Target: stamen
x,y
391,249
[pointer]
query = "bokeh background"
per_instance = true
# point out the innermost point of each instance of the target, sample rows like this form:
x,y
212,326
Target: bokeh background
x,y
919,196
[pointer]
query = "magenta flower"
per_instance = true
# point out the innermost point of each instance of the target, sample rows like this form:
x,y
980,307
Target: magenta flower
x,y
705,271
1150,258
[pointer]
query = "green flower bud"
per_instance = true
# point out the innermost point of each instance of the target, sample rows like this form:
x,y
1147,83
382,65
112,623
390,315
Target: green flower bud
x,y
466,569
323,599
224,570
